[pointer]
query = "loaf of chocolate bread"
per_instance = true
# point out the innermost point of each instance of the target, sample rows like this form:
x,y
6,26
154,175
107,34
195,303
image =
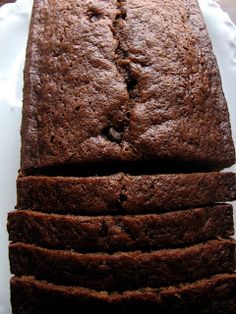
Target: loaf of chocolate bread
x,y
123,271
110,80
124,193
124,120
207,296
121,233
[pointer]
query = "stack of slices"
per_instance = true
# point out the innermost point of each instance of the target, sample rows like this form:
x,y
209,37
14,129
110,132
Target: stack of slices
x,y
120,198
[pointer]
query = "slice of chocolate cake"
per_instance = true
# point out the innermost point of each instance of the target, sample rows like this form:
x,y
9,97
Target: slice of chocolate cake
x,y
124,193
121,233
123,271
207,296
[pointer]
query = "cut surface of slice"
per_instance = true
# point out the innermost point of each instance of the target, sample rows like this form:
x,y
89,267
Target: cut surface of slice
x,y
123,271
207,296
121,233
122,193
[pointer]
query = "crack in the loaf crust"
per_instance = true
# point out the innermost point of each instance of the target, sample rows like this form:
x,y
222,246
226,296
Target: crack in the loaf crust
x,y
123,65
123,61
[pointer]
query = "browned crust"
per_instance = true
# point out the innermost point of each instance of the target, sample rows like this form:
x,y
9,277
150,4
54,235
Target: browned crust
x,y
147,88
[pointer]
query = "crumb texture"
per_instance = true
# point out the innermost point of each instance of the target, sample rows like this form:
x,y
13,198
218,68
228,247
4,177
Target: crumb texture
x,y
123,270
121,233
39,297
123,193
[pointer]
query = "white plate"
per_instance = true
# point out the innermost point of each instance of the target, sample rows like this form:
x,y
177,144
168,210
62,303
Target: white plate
x,y
14,23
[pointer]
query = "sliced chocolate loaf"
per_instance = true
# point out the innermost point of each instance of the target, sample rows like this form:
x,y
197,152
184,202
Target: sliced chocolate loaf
x,y
124,193
122,85
123,271
207,296
110,80
121,233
